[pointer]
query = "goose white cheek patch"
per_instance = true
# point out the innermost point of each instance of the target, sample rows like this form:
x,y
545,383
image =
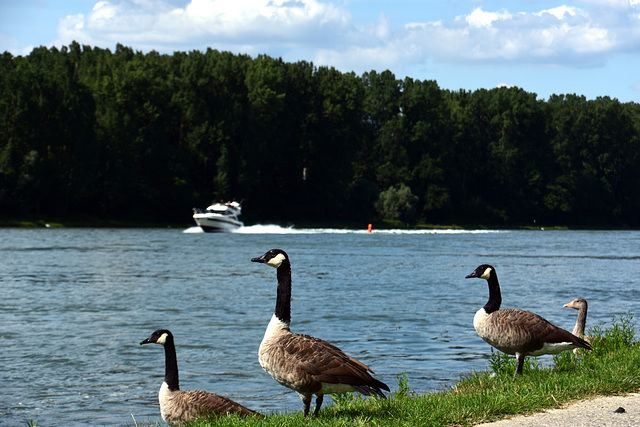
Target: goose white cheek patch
x,y
162,340
276,261
486,274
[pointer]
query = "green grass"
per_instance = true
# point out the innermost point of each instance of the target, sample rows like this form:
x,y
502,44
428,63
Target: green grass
x,y
610,369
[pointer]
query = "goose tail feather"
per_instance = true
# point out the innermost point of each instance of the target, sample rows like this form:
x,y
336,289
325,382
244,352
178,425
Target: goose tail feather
x,y
582,343
373,389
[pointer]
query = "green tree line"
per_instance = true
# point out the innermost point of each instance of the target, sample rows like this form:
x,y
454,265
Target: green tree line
x,y
124,134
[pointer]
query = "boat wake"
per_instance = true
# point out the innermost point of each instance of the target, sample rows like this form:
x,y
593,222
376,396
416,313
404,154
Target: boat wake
x,y
193,230
276,229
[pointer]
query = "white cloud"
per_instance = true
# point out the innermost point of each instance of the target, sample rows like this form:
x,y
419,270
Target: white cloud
x,y
560,11
564,35
205,23
479,18
275,18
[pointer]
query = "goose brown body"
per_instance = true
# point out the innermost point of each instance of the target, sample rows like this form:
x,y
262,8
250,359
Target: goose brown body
x,y
518,332
305,364
180,406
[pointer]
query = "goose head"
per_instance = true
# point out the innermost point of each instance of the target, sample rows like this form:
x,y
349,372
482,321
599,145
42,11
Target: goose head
x,y
158,337
577,303
273,257
482,272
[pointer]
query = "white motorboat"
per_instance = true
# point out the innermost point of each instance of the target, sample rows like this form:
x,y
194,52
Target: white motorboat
x,y
219,217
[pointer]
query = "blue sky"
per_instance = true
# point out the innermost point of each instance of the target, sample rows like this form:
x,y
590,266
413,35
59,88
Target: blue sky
x,y
586,47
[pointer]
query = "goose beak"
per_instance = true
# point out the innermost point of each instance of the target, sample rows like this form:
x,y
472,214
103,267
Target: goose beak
x,y
471,275
259,259
569,304
145,341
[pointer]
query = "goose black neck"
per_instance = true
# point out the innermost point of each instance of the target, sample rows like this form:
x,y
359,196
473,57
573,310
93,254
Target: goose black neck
x,y
171,365
283,298
495,298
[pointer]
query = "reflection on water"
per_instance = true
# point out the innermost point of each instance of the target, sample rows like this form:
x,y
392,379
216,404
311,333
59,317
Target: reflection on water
x,y
77,302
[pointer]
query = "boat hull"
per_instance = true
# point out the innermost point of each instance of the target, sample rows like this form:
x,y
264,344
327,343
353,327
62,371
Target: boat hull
x,y
212,223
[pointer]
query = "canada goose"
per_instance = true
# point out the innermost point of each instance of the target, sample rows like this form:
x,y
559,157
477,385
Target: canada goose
x,y
303,363
177,406
515,331
581,305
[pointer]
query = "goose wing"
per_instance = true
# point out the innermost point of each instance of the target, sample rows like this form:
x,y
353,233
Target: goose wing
x,y
325,363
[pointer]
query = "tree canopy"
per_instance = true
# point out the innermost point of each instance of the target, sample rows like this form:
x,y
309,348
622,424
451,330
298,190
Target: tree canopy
x,y
125,134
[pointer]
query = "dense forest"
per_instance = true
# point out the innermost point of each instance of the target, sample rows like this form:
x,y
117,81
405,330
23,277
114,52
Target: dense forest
x,y
123,134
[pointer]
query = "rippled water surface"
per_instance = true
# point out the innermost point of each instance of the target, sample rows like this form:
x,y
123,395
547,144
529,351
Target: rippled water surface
x,y
76,303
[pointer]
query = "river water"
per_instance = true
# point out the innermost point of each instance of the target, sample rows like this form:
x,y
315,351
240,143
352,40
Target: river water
x,y
76,303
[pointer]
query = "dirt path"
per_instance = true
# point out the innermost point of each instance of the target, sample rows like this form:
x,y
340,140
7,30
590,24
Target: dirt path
x,y
596,412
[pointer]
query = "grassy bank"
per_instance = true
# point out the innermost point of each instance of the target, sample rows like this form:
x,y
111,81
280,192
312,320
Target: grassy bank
x,y
611,368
